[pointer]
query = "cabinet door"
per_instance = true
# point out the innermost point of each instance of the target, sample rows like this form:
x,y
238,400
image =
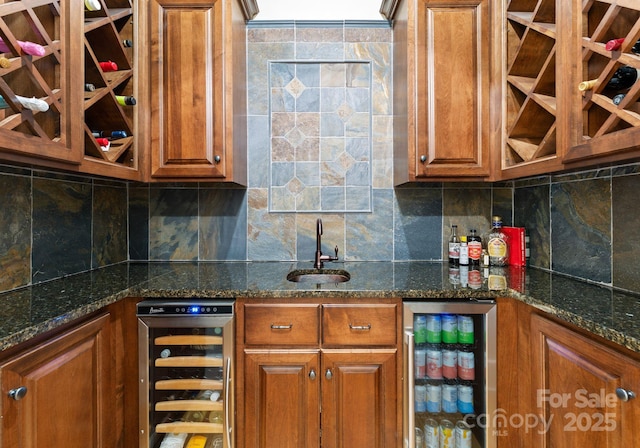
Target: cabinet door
x,y
281,400
69,392
359,399
452,102
575,381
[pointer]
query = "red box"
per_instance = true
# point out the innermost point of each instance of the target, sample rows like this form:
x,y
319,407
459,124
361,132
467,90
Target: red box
x,y
517,245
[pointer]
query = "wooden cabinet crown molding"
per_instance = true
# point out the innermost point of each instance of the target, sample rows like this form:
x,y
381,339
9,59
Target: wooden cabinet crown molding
x,y
388,8
249,8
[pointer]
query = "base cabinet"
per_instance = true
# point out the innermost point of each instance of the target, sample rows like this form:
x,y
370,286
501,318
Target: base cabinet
x,y
318,375
61,393
578,383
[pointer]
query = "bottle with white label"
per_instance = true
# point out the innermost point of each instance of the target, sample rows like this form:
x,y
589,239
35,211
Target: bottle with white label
x,y
454,246
497,244
464,251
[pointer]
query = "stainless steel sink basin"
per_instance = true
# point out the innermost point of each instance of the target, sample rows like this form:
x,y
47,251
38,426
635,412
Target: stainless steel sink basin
x,y
319,276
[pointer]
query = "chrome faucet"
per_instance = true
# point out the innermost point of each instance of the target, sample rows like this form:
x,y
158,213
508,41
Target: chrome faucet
x,y
320,259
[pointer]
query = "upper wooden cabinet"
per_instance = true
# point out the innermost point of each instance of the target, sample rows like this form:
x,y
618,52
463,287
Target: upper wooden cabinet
x,y
446,85
607,119
197,88
551,123
39,83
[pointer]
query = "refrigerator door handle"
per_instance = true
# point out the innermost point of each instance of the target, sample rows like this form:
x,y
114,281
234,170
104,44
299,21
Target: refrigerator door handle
x,y
227,394
410,392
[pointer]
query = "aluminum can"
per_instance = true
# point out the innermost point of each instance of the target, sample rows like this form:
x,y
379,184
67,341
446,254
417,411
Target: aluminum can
x,y
434,398
463,435
420,362
449,398
465,330
466,366
420,329
447,436
434,328
434,364
419,438
449,364
449,329
465,399
431,434
420,398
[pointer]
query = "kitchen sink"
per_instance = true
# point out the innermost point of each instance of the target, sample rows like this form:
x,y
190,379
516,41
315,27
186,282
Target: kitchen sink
x,y
319,276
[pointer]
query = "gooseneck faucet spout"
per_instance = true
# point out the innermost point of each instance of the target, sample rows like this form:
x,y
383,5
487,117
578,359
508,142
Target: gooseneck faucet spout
x,y
319,258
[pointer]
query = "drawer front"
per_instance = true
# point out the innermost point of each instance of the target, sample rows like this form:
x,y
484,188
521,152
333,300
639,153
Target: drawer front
x,y
359,324
282,325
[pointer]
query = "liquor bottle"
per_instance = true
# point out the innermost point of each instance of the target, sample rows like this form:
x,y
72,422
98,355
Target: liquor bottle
x,y
614,44
126,100
475,247
623,78
464,251
497,244
454,246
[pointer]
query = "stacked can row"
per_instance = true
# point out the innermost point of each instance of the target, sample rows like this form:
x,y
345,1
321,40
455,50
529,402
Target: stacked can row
x,y
443,434
436,364
447,328
447,398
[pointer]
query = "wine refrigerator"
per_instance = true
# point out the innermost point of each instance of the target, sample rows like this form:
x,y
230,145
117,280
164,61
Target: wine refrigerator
x,y
185,369
449,374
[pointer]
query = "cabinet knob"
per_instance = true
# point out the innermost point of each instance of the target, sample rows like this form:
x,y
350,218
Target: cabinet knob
x,y
624,394
18,393
328,375
312,374
217,159
423,158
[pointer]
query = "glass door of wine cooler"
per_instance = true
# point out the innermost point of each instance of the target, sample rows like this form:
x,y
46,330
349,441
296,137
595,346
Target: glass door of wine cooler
x,y
186,359
449,374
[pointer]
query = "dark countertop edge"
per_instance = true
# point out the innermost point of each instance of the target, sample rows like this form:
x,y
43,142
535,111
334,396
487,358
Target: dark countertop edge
x,y
140,290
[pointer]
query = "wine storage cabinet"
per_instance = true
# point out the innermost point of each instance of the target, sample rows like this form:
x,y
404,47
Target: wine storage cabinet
x,y
610,116
561,109
37,56
110,103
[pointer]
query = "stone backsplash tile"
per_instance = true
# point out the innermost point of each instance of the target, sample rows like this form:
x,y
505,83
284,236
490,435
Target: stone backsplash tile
x,y
532,211
138,222
626,234
109,225
581,228
173,224
15,231
223,224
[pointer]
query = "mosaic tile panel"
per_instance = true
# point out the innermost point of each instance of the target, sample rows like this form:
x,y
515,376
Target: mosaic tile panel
x,y
321,137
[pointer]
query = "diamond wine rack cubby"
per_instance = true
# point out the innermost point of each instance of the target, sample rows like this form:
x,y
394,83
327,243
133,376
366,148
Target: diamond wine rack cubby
x,y
36,79
109,84
531,82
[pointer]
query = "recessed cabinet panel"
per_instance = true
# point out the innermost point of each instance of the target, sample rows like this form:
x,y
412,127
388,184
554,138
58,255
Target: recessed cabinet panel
x,y
450,112
186,134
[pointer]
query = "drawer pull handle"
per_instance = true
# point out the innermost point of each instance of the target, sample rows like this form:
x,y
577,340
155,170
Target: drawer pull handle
x,y
312,374
360,327
328,375
281,327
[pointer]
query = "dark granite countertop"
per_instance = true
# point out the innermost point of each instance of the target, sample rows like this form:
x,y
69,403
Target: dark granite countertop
x,y
33,310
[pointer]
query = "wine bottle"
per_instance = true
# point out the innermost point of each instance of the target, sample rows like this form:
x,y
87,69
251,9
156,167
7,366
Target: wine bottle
x,y
623,78
108,66
587,85
127,43
614,44
618,98
636,48
27,47
92,5
89,87
34,104
126,100
4,62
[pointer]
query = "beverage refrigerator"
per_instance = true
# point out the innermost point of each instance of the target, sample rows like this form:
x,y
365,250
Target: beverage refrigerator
x,y
185,367
449,374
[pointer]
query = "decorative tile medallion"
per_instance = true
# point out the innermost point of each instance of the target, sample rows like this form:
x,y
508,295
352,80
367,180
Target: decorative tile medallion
x,y
320,136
